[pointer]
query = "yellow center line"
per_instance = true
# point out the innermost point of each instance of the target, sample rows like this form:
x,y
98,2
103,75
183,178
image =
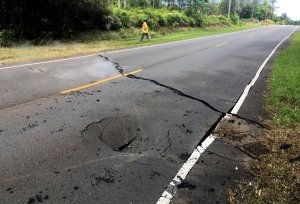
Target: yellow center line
x,y
99,82
219,45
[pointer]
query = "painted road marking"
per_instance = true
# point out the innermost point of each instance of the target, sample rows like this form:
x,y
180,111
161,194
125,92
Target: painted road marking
x,y
169,194
220,45
98,82
123,50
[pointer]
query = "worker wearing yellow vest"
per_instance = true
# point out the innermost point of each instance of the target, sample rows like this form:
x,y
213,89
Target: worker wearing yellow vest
x,y
145,30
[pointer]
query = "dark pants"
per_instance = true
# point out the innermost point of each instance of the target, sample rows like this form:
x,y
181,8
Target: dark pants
x,y
143,35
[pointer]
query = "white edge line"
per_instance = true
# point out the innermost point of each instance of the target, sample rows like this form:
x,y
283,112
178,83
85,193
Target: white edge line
x,y
168,194
47,62
253,81
122,50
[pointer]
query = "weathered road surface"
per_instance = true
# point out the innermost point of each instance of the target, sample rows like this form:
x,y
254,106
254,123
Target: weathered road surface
x,y
123,139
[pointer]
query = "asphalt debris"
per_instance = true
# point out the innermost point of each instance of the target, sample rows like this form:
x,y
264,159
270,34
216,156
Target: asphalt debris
x,y
30,126
108,178
186,185
37,199
10,190
184,156
154,174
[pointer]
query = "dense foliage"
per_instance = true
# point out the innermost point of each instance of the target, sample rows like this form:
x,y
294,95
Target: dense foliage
x,y
33,19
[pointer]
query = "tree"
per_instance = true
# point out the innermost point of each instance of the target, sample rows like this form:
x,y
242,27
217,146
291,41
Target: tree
x,y
36,18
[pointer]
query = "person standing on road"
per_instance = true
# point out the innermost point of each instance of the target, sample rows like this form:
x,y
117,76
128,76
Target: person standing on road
x,y
145,30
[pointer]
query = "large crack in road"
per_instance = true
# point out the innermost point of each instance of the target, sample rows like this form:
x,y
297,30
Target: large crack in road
x,y
180,93
174,90
122,138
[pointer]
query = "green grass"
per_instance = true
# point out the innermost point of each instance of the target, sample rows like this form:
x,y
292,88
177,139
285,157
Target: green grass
x,y
104,41
284,100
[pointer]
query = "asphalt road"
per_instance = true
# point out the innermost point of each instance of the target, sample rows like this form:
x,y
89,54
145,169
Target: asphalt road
x,y
123,139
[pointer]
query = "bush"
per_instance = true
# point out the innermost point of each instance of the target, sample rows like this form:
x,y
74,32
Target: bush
x,y
162,20
211,21
123,17
198,20
224,21
7,37
235,18
37,18
155,18
113,22
191,22
269,22
129,32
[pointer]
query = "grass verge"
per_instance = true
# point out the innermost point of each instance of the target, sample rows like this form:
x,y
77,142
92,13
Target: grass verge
x,y
277,174
103,41
284,101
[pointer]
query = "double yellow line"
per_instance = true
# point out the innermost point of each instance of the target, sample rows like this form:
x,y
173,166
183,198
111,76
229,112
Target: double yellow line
x,y
98,82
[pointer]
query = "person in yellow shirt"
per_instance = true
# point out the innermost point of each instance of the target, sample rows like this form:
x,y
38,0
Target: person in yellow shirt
x,y
145,30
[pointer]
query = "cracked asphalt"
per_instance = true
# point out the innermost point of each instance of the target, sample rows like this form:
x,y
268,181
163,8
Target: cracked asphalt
x,y
123,140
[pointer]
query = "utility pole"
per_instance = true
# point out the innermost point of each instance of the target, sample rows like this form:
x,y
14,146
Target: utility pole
x,y
229,8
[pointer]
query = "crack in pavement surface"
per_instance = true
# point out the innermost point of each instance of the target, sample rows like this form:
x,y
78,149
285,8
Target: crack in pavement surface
x,y
35,69
223,157
127,144
169,141
174,90
180,93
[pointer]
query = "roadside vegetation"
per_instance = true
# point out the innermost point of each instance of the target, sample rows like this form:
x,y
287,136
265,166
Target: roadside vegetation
x,y
277,174
37,29
101,41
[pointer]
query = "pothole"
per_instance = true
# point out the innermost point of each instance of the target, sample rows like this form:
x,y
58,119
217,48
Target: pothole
x,y
118,133
242,134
